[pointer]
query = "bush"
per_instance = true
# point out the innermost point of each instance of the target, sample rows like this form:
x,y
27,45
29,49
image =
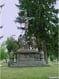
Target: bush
x,y
11,44
52,57
3,54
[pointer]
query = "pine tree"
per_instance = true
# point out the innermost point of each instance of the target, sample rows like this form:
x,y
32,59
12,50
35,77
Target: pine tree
x,y
45,22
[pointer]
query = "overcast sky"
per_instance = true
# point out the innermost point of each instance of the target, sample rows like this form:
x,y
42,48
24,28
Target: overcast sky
x,y
7,16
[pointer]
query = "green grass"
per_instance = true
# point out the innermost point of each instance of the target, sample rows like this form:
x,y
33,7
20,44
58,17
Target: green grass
x,y
29,72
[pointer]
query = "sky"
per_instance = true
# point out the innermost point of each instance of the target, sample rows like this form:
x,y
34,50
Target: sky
x,y
7,17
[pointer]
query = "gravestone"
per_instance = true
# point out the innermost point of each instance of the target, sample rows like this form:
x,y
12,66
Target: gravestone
x,y
54,77
11,58
28,57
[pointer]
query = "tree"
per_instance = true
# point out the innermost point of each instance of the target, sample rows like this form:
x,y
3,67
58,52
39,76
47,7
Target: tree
x,y
11,44
3,54
45,22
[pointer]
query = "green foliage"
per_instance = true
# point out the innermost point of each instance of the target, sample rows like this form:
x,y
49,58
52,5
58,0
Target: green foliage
x,y
45,22
52,57
11,44
3,54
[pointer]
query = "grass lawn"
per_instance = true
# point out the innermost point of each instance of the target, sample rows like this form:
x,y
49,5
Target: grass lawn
x,y
28,72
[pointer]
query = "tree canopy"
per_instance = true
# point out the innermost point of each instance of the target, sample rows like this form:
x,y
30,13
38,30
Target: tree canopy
x,y
11,44
45,22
